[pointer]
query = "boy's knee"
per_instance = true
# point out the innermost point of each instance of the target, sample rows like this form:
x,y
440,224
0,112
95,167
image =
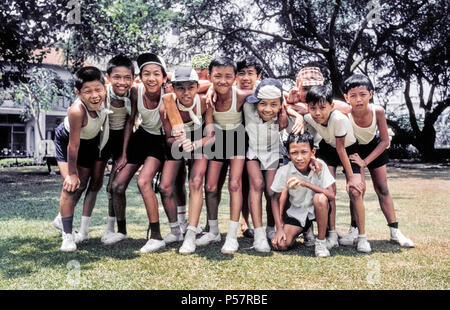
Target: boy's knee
x,y
95,186
354,194
382,190
234,185
143,183
257,184
118,188
166,189
210,188
195,183
320,200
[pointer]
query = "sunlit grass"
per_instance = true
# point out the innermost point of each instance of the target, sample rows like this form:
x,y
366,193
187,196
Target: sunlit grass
x,y
30,256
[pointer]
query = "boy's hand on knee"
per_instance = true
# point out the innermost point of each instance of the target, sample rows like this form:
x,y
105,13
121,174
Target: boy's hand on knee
x,y
71,183
121,163
356,183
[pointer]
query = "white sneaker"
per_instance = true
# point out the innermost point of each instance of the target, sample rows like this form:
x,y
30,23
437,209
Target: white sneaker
x,y
80,237
230,246
398,238
57,223
261,245
207,239
188,247
308,237
107,234
170,238
114,238
363,245
332,240
183,226
153,245
68,243
320,249
270,232
351,238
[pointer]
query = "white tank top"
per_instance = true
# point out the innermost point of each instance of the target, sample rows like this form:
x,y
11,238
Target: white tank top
x,y
93,125
118,117
151,120
365,134
198,111
230,119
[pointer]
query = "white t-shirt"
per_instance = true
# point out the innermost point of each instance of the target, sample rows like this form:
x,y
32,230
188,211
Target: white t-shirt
x,y
301,198
338,126
264,138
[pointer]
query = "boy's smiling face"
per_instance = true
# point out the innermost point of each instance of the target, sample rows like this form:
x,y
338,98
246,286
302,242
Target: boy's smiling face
x,y
268,108
92,94
300,153
121,80
186,92
320,111
359,98
222,78
247,77
152,78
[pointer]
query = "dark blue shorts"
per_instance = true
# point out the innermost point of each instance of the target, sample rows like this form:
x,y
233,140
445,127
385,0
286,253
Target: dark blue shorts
x,y
229,143
113,148
364,150
144,144
87,153
329,155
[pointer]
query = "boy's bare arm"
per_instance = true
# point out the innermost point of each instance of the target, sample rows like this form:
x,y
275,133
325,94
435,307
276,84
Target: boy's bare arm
x,y
279,235
294,182
128,130
342,106
383,130
76,116
241,94
351,180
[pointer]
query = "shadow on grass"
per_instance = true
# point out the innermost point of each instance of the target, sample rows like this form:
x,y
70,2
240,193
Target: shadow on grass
x,y
24,256
378,246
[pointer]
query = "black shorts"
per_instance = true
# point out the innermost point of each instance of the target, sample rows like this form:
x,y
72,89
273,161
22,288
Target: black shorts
x,y
176,153
366,149
229,143
144,144
114,146
87,152
294,222
329,155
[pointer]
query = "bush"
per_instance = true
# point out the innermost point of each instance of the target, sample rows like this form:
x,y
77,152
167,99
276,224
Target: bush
x,y
14,162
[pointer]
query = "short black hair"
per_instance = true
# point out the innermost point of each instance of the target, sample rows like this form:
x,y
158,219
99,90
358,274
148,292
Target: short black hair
x,y
88,74
357,80
305,137
319,94
120,61
249,61
222,62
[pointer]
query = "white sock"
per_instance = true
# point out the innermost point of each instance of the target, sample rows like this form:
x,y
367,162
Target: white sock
x,y
259,233
213,226
175,228
191,233
232,229
362,236
181,214
111,221
85,222
332,233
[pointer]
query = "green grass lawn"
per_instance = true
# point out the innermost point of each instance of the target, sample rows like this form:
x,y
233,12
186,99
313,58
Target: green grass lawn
x,y
30,256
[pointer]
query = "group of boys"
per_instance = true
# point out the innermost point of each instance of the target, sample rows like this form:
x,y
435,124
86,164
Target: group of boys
x,y
248,125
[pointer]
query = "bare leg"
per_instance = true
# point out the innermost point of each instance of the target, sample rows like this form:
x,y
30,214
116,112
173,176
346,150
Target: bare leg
x,y
379,180
235,187
119,187
149,170
213,190
196,176
95,184
168,194
321,211
256,188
